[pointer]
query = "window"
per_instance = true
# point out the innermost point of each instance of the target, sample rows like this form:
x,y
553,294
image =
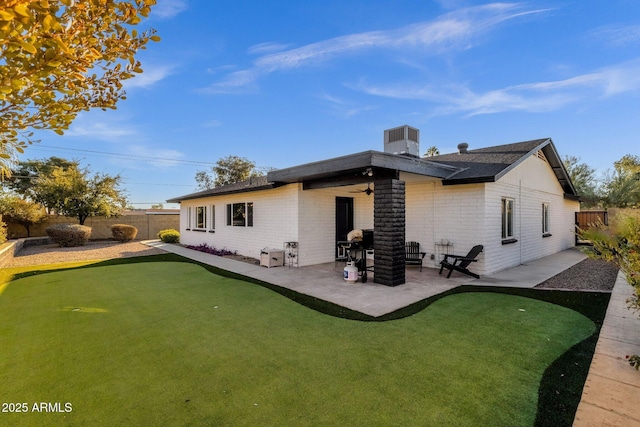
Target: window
x,y
189,218
201,217
249,214
507,218
545,220
240,214
212,225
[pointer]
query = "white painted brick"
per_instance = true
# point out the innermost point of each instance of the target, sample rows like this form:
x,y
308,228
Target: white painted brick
x,y
466,214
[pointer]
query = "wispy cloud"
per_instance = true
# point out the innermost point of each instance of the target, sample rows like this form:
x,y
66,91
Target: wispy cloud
x,y
268,47
454,30
617,36
166,9
345,108
532,97
151,75
101,130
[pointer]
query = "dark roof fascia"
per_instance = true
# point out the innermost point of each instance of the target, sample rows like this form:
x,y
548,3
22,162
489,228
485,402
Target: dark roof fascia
x,y
558,168
474,180
359,161
221,192
572,197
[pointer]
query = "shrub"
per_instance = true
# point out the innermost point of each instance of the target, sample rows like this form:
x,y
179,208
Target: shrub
x,y
69,234
123,232
3,231
169,235
620,244
211,250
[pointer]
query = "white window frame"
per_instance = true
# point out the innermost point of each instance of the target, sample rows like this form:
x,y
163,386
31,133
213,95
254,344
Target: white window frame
x,y
546,219
247,216
189,219
508,218
212,219
201,218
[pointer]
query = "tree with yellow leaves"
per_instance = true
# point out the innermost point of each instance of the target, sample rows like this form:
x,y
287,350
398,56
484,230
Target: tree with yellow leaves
x,y
61,57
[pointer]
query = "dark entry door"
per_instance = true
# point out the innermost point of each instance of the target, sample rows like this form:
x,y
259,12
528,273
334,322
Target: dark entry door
x,y
344,219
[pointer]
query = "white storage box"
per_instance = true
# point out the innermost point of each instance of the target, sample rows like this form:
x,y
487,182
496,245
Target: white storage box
x,y
271,257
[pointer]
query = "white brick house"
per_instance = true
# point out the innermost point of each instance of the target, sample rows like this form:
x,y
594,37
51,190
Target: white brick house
x,y
516,200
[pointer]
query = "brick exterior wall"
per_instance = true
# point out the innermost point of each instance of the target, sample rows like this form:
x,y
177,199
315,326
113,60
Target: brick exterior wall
x,y
389,227
275,221
415,208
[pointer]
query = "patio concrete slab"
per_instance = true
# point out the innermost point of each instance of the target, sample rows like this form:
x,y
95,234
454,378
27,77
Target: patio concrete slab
x,y
325,281
532,273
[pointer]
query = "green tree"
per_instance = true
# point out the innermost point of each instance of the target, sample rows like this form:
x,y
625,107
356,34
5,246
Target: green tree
x,y
584,181
432,151
3,231
204,180
21,179
23,212
228,170
71,192
58,58
622,186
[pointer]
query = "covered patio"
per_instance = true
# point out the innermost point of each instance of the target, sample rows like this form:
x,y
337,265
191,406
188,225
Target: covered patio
x,y
385,171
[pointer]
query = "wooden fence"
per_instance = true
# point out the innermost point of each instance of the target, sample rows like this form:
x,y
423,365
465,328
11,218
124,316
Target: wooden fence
x,y
587,219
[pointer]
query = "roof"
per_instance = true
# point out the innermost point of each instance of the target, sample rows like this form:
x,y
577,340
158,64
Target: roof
x,y
475,166
345,166
492,163
251,184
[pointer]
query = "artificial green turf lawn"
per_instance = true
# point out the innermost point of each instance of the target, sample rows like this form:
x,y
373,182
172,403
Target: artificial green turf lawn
x,y
173,344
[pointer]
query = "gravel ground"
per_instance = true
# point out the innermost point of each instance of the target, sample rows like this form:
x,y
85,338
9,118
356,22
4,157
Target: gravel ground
x,y
99,249
588,275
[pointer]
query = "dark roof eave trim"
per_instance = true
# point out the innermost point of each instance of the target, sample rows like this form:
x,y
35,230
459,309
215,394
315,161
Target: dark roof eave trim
x,y
572,197
347,164
223,193
475,180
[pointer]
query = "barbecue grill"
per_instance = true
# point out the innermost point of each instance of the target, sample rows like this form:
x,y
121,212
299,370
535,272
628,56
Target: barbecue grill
x,y
356,250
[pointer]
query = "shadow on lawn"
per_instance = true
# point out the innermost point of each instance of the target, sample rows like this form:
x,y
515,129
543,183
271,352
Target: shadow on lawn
x,y
562,382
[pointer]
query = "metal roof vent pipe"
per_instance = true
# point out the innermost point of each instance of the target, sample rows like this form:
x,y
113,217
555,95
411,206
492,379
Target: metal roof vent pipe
x,y
462,147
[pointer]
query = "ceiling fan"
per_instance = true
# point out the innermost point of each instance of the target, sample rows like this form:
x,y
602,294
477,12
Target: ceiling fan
x,y
368,191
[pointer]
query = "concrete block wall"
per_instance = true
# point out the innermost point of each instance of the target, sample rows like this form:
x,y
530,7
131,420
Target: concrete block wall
x,y
530,184
317,226
462,219
148,225
420,224
275,221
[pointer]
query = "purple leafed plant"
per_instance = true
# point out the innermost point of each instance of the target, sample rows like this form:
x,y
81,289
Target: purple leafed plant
x,y
210,250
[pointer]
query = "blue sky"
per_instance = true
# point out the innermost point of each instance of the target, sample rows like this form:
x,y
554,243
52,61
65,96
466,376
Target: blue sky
x,y
291,82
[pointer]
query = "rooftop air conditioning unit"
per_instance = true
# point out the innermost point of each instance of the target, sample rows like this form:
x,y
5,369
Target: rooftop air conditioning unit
x,y
402,140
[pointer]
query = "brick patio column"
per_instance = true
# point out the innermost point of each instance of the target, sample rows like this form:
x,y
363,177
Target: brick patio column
x,y
389,232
